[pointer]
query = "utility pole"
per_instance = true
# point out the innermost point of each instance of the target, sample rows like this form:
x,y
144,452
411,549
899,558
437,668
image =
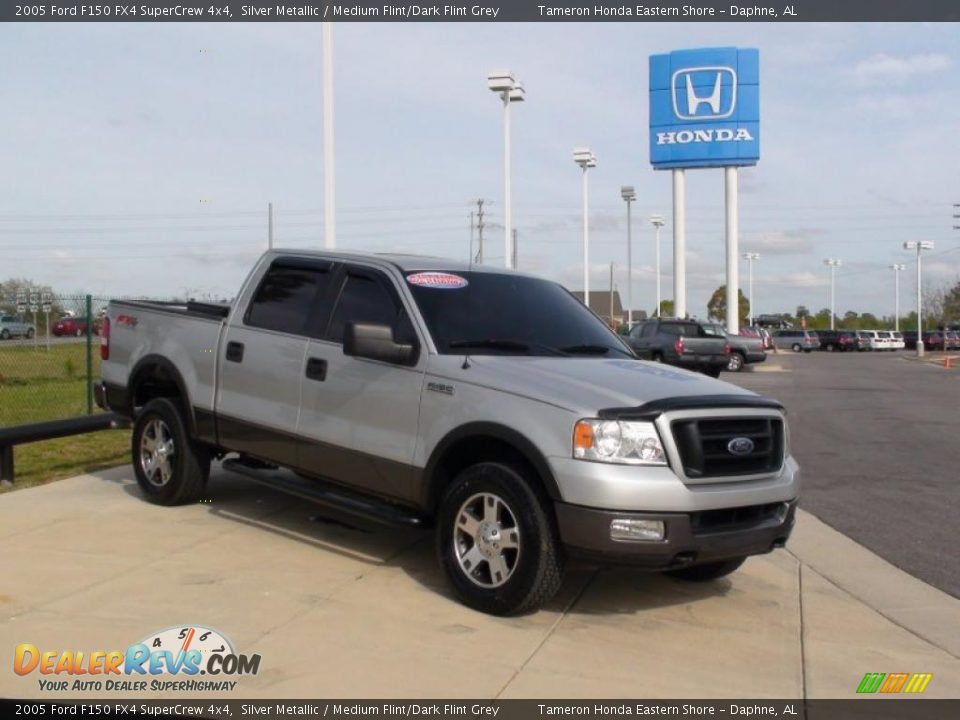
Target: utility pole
x,y
269,226
480,226
470,255
514,264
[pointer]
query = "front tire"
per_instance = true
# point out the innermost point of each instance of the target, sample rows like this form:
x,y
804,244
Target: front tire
x,y
170,468
4,334
29,333
496,541
707,571
796,347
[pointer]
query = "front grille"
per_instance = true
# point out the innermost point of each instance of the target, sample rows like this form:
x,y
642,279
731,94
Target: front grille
x,y
704,446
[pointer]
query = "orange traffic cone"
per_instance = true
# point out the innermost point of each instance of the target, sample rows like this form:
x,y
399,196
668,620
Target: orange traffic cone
x,y
948,362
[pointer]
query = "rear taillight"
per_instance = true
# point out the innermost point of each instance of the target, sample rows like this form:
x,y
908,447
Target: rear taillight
x,y
678,346
105,339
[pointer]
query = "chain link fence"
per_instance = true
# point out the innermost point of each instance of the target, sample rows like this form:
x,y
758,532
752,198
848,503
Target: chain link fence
x,y
49,356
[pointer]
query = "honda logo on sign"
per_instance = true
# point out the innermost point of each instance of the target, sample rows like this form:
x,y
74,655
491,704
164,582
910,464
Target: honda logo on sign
x,y
703,87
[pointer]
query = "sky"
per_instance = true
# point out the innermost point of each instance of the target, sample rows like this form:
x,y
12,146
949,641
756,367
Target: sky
x,y
139,159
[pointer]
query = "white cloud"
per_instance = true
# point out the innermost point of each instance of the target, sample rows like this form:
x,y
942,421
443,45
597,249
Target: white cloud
x,y
882,68
782,242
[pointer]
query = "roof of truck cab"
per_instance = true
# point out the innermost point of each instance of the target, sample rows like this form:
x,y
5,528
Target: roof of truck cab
x,y
405,263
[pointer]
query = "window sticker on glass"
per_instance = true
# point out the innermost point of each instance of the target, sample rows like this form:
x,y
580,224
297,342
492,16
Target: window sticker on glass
x,y
437,280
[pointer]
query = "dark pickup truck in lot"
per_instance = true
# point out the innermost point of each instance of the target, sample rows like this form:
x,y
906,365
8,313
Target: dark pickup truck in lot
x,y
744,349
683,343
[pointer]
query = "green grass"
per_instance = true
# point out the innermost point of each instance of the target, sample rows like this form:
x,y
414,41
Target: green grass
x,y
38,385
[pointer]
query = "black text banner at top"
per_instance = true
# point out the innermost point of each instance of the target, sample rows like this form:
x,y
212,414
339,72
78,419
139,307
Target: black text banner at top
x,y
482,11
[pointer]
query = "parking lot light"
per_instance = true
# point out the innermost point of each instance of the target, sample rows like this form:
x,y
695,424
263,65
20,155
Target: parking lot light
x,y
585,159
919,246
629,195
896,267
834,263
510,91
657,222
750,257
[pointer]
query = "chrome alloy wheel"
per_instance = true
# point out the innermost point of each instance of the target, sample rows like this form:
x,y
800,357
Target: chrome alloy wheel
x,y
157,452
486,540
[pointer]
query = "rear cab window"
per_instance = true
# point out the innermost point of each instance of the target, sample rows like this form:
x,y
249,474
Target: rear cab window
x,y
288,295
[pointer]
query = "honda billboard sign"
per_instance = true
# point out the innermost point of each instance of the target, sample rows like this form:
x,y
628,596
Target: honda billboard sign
x,y
705,108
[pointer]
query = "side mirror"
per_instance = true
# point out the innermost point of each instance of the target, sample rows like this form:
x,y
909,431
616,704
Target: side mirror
x,y
376,342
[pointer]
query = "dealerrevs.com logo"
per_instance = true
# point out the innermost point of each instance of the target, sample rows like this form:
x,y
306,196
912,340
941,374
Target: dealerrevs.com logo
x,y
168,660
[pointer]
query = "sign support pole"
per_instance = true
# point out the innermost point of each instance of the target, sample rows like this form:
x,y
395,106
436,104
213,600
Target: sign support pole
x,y
679,244
733,248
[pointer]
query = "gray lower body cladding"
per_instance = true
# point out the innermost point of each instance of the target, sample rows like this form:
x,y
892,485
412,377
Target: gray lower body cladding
x,y
690,538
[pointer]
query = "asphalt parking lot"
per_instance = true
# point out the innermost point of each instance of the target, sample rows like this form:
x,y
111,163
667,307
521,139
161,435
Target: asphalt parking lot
x,y
876,436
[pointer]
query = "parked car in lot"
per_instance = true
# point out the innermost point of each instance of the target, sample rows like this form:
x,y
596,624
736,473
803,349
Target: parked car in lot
x,y
744,349
884,340
76,326
11,327
896,341
838,340
489,405
951,340
684,343
931,340
796,340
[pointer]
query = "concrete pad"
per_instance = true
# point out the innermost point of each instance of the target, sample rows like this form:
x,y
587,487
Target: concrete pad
x,y
338,607
905,600
844,639
632,633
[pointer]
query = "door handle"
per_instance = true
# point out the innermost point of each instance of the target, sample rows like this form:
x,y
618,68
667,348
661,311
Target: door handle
x,y
235,352
317,369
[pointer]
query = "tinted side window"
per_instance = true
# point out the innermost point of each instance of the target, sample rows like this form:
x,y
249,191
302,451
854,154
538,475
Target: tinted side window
x,y
365,299
286,296
649,329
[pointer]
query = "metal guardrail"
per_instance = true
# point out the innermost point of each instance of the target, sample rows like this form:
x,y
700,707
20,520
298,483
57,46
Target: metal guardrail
x,y
10,437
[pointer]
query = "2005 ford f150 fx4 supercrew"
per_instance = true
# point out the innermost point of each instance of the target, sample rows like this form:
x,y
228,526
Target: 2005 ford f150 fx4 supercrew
x,y
487,403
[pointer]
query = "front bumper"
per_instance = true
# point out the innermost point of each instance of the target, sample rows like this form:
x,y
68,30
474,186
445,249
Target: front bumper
x,y
689,539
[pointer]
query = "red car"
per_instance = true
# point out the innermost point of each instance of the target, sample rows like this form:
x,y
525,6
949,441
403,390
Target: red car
x,y
72,326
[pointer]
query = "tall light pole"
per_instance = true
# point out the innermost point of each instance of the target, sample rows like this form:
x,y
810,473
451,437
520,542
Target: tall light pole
x,y
629,195
510,91
585,159
896,267
329,195
834,263
919,246
750,256
657,222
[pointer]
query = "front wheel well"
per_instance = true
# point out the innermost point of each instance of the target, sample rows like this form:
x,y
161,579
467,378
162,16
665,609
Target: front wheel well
x,y
472,449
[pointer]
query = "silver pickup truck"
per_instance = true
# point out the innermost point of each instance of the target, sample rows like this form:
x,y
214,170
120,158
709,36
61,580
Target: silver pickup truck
x,y
490,405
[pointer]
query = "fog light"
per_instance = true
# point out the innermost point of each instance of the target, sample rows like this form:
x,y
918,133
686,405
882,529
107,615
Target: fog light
x,y
636,530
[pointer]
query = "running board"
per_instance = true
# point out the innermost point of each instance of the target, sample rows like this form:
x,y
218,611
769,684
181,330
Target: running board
x,y
324,493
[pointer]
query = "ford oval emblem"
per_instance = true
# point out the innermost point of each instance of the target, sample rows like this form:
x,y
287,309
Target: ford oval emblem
x,y
740,446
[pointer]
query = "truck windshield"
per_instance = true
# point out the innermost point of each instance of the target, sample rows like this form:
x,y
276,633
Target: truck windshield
x,y
498,314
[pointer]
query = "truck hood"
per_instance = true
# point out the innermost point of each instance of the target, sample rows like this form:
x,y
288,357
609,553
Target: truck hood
x,y
581,384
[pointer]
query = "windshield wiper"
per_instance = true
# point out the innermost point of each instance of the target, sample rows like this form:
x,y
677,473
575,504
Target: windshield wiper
x,y
501,344
587,349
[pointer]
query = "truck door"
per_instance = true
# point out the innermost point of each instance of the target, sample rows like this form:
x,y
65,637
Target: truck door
x,y
262,360
358,417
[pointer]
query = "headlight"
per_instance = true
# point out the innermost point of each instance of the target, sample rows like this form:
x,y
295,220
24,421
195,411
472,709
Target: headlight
x,y
616,441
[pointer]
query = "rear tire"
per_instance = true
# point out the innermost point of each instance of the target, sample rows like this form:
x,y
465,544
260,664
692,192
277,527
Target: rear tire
x,y
736,362
29,333
796,347
497,542
170,467
830,348
4,334
707,571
